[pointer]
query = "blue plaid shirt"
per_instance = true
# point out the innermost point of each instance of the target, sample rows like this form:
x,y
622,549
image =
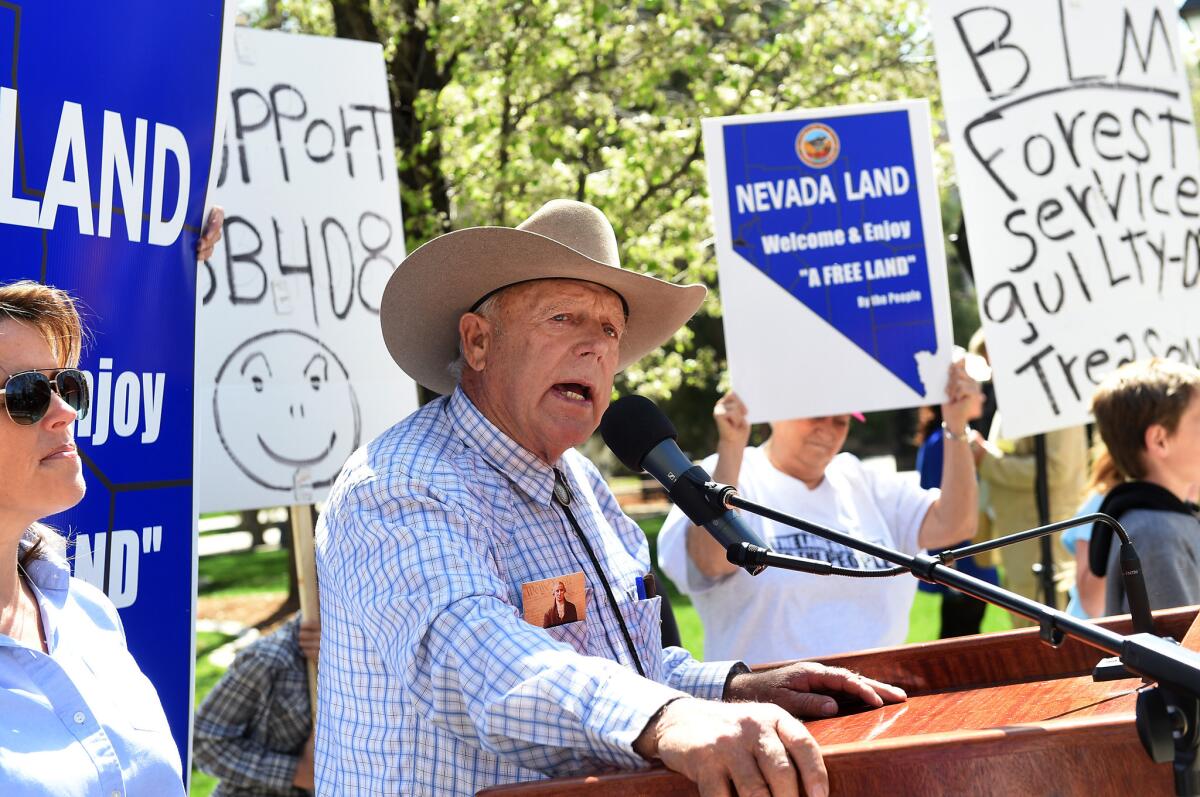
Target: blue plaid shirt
x,y
430,681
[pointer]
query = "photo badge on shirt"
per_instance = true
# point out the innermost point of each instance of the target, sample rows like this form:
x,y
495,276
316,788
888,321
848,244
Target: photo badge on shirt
x,y
555,601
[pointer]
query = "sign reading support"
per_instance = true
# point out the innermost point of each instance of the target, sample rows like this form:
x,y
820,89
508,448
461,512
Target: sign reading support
x,y
107,126
829,245
1076,154
292,371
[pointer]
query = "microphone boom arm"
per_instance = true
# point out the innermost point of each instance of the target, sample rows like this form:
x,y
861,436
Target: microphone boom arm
x,y
1168,715
1054,623
1131,566
1021,536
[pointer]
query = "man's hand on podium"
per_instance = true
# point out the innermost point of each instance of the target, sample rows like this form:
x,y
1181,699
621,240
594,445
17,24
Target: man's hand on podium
x,y
756,746
807,689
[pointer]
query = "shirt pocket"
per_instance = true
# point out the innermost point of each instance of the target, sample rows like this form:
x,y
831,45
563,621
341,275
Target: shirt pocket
x,y
576,634
644,619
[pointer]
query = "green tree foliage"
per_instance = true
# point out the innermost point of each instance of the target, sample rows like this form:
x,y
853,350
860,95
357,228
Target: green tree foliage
x,y
500,106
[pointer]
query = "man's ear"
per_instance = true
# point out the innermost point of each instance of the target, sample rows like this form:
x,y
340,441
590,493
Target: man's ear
x,y
1156,440
475,336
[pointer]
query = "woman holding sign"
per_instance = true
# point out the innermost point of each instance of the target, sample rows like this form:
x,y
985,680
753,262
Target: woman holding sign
x,y
780,615
77,716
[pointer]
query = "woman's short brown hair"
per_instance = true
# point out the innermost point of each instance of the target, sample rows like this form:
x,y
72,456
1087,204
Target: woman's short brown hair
x,y
51,311
1135,397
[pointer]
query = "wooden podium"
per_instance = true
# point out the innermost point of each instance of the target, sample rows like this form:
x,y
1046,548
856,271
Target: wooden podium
x,y
995,714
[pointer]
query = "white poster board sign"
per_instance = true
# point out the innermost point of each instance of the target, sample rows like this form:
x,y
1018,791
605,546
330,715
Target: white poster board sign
x,y
1076,154
292,373
832,269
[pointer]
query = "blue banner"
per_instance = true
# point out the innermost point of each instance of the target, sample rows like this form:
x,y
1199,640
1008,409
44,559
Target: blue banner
x,y
107,119
828,208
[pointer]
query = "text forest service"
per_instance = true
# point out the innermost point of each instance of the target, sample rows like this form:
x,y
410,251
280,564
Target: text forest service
x,y
1077,159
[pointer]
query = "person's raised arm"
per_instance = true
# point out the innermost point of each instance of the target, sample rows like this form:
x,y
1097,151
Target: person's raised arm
x,y
954,515
1014,471
733,432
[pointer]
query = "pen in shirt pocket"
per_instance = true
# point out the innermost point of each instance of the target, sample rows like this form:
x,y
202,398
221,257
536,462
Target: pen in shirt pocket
x,y
647,587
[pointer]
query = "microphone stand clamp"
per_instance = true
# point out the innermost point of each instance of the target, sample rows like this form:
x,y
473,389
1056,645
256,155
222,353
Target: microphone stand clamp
x,y
1168,725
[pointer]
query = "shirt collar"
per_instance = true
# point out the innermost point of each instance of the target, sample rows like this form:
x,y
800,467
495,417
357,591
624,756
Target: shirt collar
x,y
50,576
530,475
50,572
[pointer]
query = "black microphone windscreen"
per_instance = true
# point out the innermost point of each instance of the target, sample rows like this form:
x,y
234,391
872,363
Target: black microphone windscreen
x,y
632,426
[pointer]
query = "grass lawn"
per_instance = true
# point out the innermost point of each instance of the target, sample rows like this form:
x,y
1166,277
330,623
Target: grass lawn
x,y
243,573
202,784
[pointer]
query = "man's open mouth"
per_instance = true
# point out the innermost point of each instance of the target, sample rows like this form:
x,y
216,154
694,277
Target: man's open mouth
x,y
573,391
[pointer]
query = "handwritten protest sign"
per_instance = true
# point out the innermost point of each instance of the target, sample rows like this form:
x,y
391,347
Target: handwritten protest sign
x,y
1076,154
107,127
292,372
830,255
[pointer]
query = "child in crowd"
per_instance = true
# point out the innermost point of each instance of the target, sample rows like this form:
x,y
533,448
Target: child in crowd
x,y
1148,414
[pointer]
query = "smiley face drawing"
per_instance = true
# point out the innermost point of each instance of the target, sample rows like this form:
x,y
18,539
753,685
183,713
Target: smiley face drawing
x,y
285,410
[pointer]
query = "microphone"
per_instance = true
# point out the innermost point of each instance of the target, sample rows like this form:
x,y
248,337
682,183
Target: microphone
x,y
643,438
1132,577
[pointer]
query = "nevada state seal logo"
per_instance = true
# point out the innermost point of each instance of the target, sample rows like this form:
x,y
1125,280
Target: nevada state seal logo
x,y
817,145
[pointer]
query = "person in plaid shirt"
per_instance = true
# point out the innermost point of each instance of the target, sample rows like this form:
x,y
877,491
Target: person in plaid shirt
x,y
254,729
432,681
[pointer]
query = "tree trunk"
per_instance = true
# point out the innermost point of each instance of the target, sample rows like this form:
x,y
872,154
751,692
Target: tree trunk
x,y
414,68
291,604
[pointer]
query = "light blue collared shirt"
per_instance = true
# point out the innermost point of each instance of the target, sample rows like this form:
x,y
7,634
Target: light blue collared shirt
x,y
430,680
82,719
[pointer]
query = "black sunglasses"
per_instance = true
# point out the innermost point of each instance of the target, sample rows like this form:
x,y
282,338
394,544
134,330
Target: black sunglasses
x,y
27,394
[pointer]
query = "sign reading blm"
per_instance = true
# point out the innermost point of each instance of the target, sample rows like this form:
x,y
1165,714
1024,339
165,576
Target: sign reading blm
x,y
1076,153
829,246
292,372
107,125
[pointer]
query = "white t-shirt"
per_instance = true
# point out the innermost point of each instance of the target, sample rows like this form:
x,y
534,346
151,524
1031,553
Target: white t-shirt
x,y
781,615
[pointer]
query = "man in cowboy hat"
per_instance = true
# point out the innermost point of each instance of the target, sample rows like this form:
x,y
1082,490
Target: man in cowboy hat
x,y
431,681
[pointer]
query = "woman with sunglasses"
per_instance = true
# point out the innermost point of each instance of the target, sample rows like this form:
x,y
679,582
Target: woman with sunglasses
x,y
77,716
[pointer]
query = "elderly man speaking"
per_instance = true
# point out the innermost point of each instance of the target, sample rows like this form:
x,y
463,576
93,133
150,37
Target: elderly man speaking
x,y
435,675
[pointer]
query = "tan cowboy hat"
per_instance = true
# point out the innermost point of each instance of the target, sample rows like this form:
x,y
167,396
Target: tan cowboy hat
x,y
448,276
